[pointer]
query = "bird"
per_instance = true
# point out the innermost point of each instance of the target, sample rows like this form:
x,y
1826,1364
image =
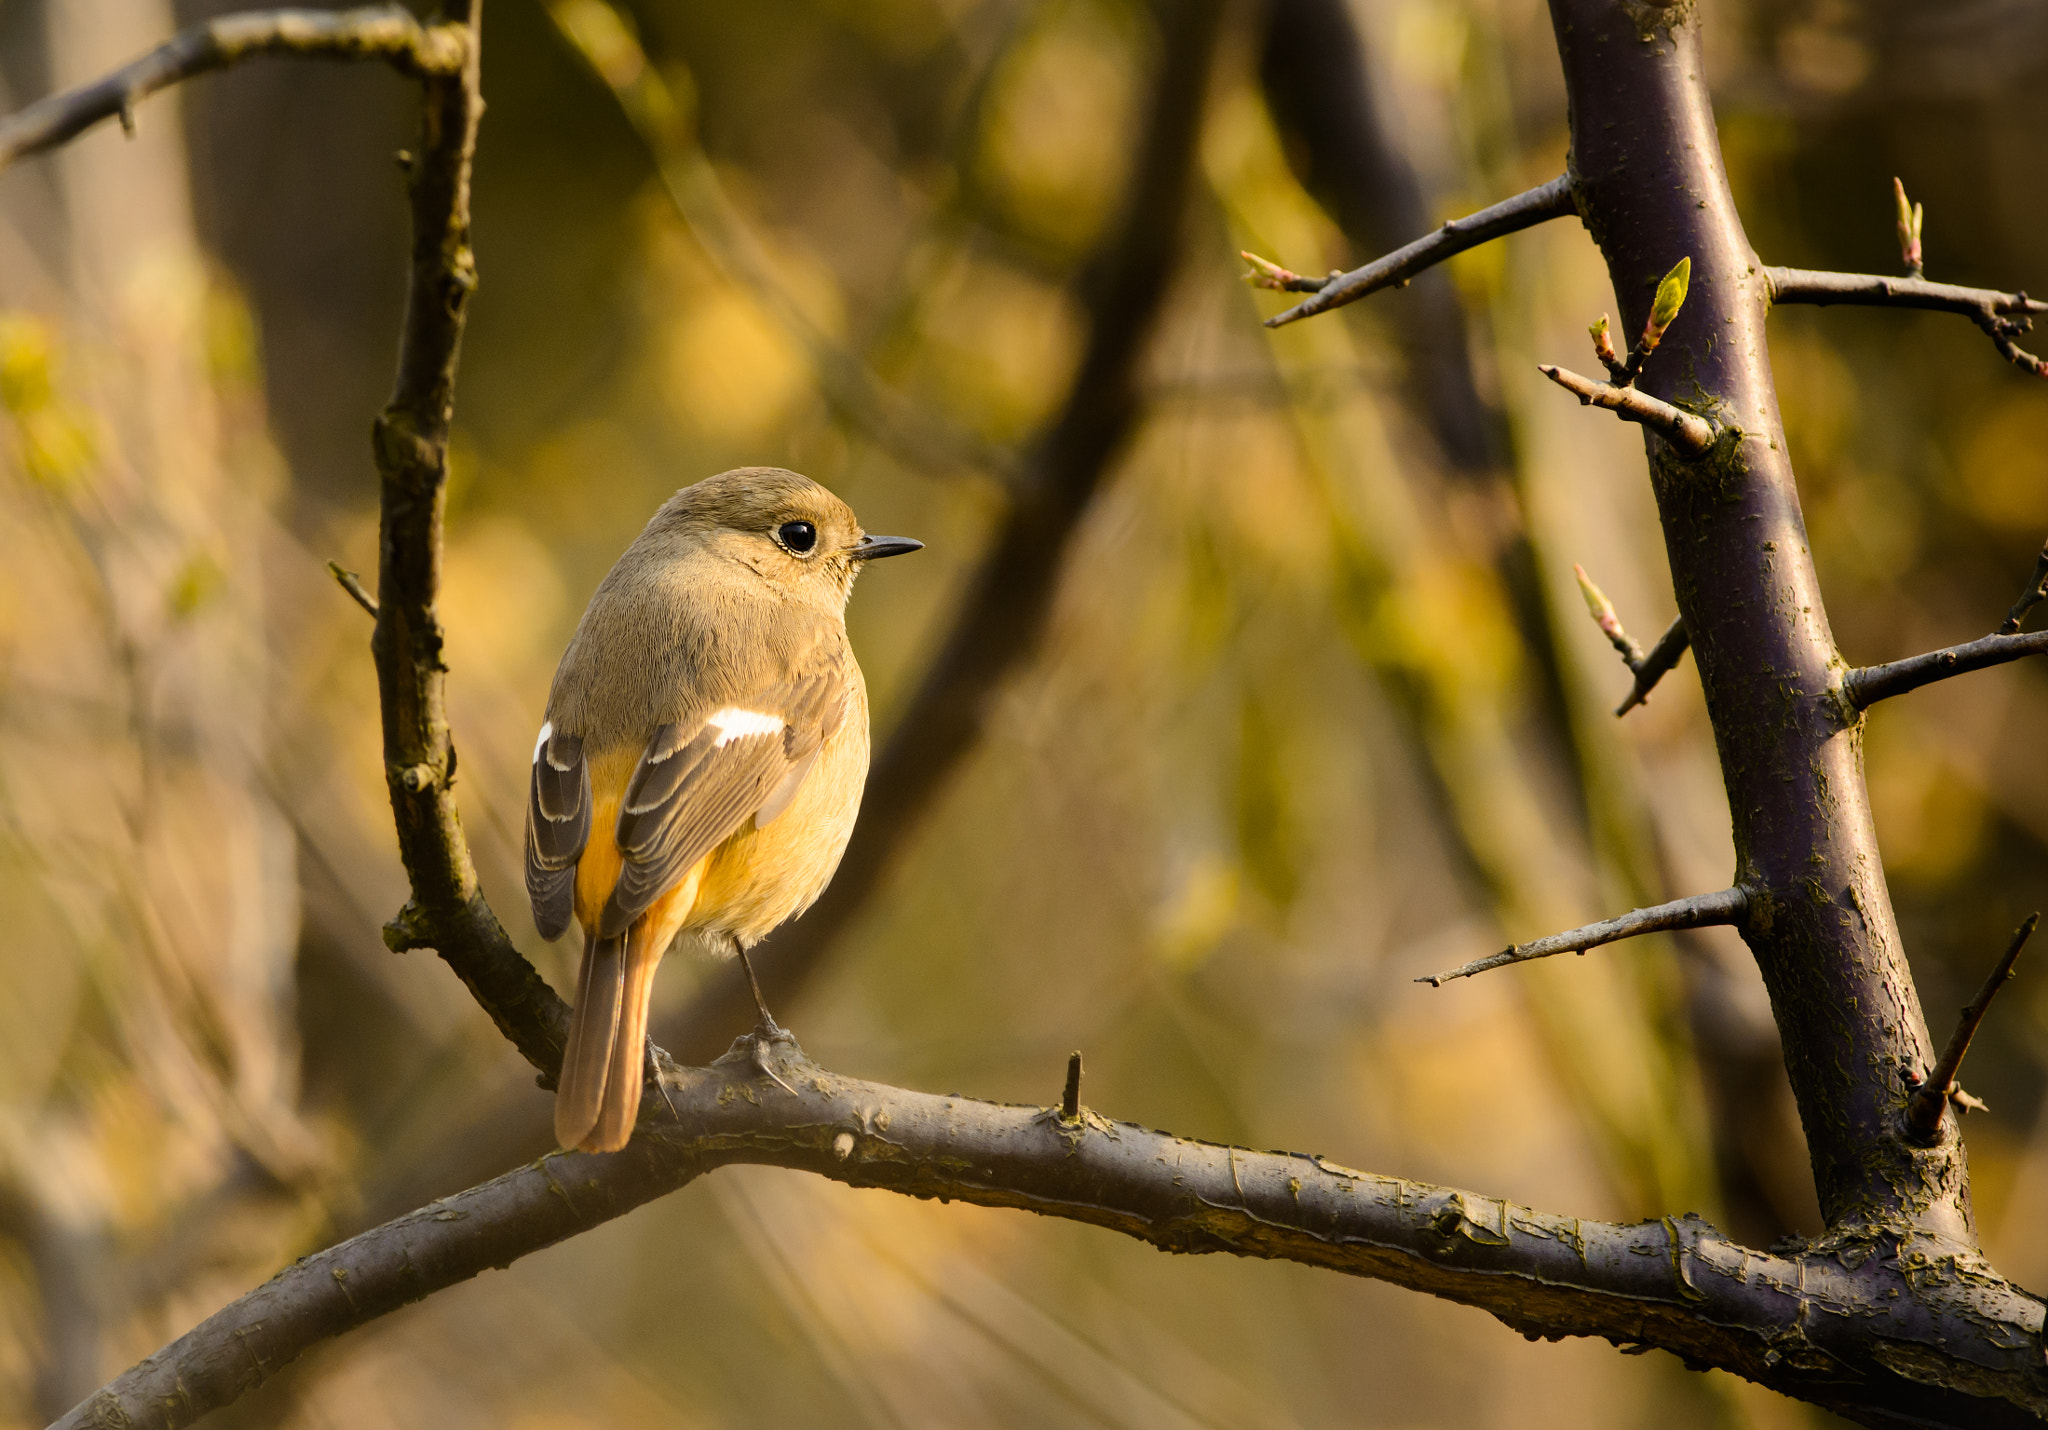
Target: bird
x,y
701,760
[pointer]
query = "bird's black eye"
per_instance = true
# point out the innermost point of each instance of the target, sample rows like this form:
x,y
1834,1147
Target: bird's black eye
x,y
797,537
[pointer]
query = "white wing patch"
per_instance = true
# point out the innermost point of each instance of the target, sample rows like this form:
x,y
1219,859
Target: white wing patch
x,y
734,723
547,731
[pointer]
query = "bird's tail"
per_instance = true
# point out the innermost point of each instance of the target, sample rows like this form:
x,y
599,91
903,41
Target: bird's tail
x,y
598,1097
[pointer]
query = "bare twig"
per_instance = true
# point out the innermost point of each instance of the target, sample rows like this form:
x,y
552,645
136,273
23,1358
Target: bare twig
x,y
606,41
2003,316
2036,592
1691,435
1647,669
1662,657
1070,1099
384,32
1925,1107
1525,210
1699,911
353,584
1867,685
1802,1324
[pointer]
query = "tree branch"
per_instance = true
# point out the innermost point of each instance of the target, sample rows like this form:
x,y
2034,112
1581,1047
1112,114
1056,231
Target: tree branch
x,y
1688,434
1699,911
1867,685
1653,667
384,32
1925,1108
1857,1326
447,911
353,584
1525,210
2036,592
2003,316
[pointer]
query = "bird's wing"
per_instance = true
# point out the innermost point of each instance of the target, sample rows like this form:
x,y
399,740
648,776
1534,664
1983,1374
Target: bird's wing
x,y
697,785
557,827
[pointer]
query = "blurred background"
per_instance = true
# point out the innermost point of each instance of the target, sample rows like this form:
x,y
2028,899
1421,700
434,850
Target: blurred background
x,y
1316,709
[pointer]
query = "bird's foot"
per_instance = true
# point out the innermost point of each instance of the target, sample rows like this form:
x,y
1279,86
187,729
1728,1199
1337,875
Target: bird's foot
x,y
764,1037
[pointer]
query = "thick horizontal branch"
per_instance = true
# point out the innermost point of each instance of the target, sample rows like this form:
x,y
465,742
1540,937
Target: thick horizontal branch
x,y
1526,210
1925,1108
1688,433
384,32
1699,911
2003,316
1867,685
1654,666
1829,1324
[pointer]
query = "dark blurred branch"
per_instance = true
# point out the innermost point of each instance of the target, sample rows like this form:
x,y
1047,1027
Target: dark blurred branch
x,y
1857,1333
604,38
1924,1109
384,32
1699,911
1867,685
2003,316
353,584
1688,434
1526,210
2036,592
447,911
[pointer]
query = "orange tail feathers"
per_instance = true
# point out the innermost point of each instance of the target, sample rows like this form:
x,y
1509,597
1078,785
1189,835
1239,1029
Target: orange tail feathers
x,y
629,1045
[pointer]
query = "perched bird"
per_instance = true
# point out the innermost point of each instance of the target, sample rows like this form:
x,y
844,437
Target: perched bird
x,y
702,760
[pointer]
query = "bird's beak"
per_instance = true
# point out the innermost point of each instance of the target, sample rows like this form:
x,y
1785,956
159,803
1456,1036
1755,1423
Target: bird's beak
x,y
874,548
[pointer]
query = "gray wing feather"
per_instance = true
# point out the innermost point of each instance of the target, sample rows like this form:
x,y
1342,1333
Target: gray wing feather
x,y
557,828
690,793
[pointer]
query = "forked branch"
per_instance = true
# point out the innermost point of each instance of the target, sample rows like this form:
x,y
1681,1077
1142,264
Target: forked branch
x,y
1867,685
1699,911
1649,668
2002,316
384,32
1925,1108
1525,210
2036,592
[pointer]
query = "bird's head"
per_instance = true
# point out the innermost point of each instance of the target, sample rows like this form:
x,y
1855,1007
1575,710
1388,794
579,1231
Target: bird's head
x,y
783,526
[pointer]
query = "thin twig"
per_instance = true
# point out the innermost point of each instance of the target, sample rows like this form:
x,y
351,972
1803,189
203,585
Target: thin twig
x,y
1671,1283
2036,592
1925,1107
1525,210
353,584
2002,316
384,32
605,40
1656,665
1867,685
1070,1098
1647,669
1699,911
1691,435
